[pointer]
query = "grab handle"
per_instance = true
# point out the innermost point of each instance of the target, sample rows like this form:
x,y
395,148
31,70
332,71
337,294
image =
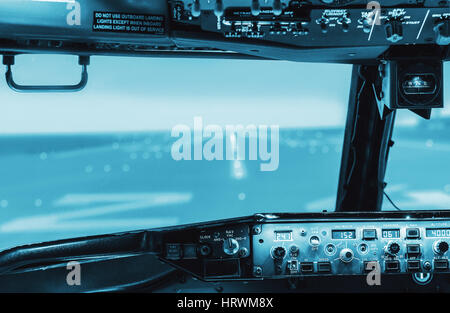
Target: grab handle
x,y
9,61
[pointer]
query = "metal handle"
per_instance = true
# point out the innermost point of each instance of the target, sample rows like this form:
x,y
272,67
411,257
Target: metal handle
x,y
8,60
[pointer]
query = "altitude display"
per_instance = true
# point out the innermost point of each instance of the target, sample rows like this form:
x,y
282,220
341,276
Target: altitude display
x,y
438,232
343,234
390,233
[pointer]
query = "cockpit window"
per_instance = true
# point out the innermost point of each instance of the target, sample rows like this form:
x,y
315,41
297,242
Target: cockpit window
x,y
106,159
419,161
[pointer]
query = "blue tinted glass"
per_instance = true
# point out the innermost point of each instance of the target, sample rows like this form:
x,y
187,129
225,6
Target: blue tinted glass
x,y
101,161
418,169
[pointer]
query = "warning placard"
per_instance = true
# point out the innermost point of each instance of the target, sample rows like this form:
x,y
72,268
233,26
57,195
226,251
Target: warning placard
x,y
129,23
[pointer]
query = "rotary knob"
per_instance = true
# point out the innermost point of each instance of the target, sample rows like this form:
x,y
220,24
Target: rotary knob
x,y
440,247
392,248
346,255
279,253
230,246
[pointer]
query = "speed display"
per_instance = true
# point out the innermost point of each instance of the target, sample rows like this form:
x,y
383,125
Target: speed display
x,y
343,234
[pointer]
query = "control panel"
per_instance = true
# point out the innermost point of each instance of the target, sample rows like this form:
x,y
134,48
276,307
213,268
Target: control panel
x,y
270,246
347,248
337,31
221,250
320,23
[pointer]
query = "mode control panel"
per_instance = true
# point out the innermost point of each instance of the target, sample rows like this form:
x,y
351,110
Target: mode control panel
x,y
279,246
350,248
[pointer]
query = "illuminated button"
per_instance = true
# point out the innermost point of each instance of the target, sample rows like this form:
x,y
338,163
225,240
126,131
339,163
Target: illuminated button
x,y
392,266
412,233
369,234
413,250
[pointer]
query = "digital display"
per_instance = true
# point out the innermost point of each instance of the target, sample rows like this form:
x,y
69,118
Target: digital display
x,y
285,235
438,232
343,234
390,233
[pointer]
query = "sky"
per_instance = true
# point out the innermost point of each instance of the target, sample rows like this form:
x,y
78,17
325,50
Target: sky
x,y
142,94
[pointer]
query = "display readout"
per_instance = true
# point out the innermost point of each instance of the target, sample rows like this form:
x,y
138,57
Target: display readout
x,y
283,235
343,234
438,232
390,233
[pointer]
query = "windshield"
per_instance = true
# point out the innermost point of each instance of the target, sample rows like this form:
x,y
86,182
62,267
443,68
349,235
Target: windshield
x,y
418,168
157,142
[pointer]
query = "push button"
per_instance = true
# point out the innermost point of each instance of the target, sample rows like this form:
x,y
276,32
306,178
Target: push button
x,y
174,251
440,264
369,234
307,267
412,233
392,266
324,267
413,250
413,265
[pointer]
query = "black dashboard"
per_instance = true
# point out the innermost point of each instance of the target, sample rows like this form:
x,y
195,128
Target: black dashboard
x,y
340,31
